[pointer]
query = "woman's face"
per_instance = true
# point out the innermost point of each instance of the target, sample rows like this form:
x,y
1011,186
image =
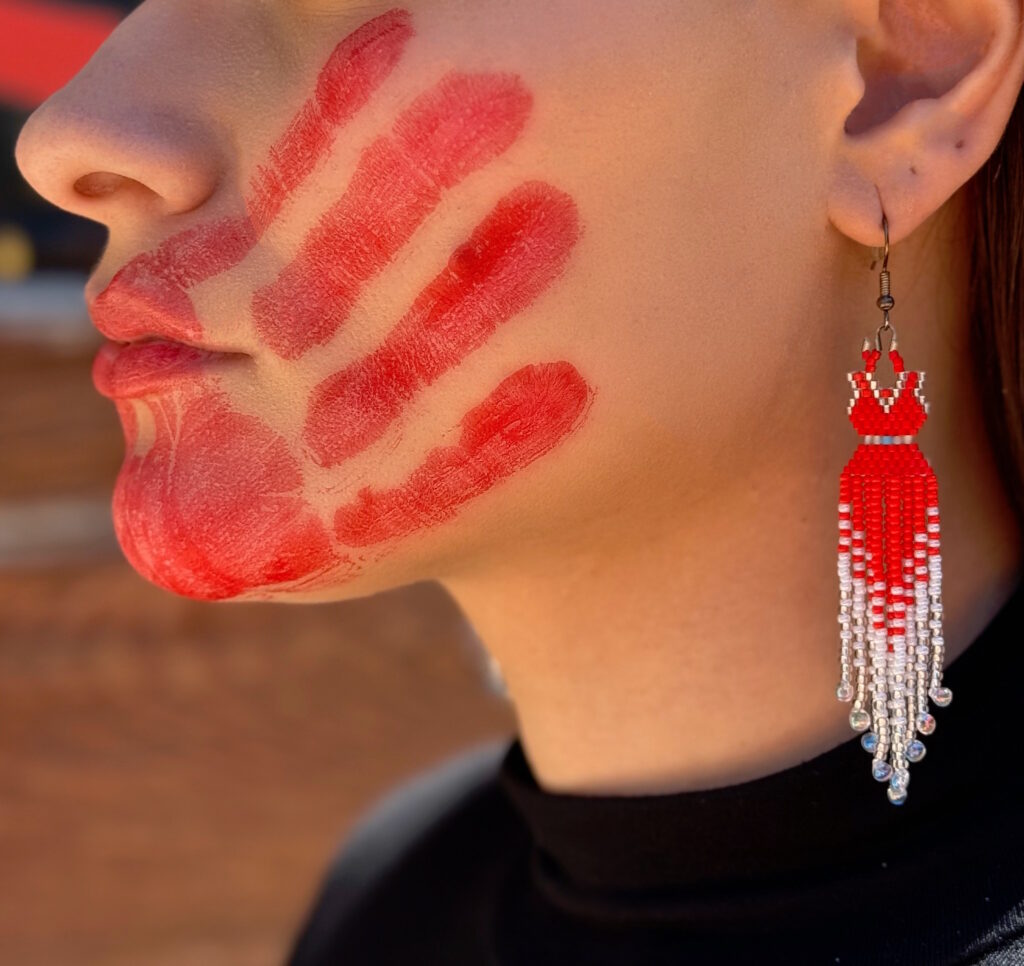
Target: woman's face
x,y
395,292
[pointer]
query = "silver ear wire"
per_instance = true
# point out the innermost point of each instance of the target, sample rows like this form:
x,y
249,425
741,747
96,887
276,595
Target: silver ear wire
x,y
885,301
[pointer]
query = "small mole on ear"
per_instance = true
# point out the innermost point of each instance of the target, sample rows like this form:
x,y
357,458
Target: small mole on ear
x,y
913,170
960,143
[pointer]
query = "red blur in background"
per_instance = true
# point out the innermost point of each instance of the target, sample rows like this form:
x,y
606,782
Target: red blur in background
x,y
44,43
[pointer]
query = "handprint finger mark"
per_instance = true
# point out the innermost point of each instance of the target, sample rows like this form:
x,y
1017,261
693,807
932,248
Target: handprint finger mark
x,y
355,69
459,125
149,295
510,258
526,415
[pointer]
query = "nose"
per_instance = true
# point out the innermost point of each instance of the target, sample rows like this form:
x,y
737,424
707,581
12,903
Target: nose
x,y
122,140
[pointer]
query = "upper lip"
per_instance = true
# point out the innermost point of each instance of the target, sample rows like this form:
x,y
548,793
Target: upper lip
x,y
126,311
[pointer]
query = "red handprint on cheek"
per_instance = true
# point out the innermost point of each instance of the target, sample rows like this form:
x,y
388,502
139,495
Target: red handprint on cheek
x,y
212,503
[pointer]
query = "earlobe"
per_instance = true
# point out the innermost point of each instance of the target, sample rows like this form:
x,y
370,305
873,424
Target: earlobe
x,y
941,78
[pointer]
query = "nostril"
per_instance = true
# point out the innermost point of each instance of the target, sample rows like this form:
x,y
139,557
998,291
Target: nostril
x,y
99,184
105,166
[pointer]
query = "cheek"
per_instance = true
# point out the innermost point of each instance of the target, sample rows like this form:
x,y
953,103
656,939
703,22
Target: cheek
x,y
214,508
210,503
525,416
509,260
458,126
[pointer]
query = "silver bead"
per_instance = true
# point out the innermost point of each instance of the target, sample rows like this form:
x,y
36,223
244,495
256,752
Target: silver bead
x,y
881,770
915,750
897,797
859,719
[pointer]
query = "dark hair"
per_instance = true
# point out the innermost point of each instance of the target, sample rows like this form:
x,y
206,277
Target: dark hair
x,y
995,202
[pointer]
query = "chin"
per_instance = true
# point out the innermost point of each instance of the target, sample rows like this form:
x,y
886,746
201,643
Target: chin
x,y
208,551
267,548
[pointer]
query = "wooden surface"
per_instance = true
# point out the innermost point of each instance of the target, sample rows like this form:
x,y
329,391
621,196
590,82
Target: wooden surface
x,y
174,775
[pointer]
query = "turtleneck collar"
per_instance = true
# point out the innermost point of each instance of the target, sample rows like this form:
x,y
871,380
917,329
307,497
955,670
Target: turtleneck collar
x,y
812,816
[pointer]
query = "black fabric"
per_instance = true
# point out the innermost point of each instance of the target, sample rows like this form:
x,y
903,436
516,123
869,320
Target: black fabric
x,y
808,865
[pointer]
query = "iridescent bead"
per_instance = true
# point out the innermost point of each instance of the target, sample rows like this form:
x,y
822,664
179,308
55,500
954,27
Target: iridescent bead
x,y
869,741
859,719
900,779
897,797
941,696
925,723
845,691
915,750
881,770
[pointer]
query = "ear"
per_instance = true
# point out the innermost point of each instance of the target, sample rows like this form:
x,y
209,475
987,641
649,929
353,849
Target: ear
x,y
941,78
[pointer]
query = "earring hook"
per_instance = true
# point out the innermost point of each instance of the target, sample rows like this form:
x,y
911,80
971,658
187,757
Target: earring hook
x,y
885,229
885,301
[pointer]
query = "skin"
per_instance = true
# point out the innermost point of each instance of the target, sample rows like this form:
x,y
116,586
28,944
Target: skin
x,y
626,522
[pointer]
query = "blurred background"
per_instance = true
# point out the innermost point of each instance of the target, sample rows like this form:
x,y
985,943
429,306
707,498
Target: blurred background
x,y
174,775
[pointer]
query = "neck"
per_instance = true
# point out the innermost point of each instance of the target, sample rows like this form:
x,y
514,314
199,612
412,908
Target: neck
x,y
695,644
706,654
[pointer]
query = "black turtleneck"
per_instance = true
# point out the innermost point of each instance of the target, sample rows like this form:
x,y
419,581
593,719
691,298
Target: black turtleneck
x,y
473,863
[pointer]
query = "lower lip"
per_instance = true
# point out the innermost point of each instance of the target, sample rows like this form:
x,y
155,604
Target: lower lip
x,y
122,371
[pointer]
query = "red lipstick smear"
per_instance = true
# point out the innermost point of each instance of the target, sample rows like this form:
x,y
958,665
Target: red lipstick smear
x,y
460,125
524,417
353,72
214,507
510,258
129,426
149,294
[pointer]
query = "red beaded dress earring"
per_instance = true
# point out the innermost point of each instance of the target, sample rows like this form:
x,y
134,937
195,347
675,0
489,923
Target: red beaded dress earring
x,y
890,567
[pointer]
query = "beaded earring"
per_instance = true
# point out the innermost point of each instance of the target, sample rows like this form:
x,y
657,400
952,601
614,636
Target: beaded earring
x,y
890,566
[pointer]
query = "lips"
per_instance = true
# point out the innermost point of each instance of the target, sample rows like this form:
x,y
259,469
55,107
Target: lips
x,y
154,333
139,303
122,371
